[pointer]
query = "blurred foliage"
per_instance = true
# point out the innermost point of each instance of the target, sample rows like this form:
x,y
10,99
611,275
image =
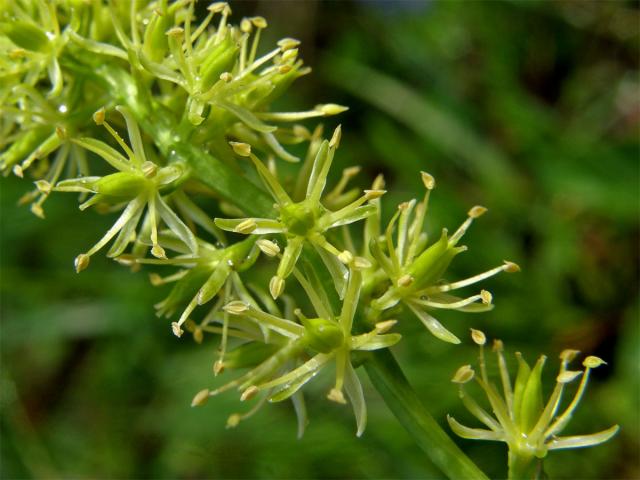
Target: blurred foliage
x,y
530,108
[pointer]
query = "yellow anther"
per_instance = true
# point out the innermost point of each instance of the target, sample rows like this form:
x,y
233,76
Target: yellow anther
x,y
200,398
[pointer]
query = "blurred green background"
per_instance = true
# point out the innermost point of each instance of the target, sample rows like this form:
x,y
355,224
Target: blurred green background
x,y
529,108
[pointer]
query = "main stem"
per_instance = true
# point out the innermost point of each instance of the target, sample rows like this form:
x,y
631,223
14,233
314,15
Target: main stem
x,y
389,380
384,371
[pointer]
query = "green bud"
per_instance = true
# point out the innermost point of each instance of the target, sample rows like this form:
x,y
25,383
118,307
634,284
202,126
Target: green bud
x,y
431,265
322,335
249,355
521,382
121,184
221,59
155,45
299,218
26,35
532,398
24,145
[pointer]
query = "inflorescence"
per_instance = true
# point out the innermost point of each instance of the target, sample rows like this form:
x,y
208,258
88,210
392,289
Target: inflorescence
x,y
176,81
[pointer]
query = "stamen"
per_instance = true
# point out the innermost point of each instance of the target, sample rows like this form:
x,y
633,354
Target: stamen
x,y
506,267
474,213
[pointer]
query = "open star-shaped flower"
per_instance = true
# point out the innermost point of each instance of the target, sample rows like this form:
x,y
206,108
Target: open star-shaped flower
x,y
520,418
304,221
327,338
416,271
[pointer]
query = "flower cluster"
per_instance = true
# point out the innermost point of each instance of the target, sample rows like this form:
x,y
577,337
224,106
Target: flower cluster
x,y
521,419
307,220
303,348
209,78
195,98
415,271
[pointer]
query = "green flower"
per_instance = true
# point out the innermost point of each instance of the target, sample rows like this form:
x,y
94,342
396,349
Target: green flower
x,y
138,183
31,41
416,270
213,77
327,338
306,220
521,419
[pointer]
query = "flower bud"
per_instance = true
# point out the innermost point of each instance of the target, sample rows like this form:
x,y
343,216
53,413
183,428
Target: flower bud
x,y
26,35
221,59
430,266
121,184
155,45
26,143
321,335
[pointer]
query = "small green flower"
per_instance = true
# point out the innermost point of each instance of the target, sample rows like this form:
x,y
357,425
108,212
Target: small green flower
x,y
303,221
139,182
202,277
228,86
416,271
521,419
327,338
35,41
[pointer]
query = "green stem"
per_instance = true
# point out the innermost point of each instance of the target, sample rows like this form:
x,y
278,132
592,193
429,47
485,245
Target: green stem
x,y
523,467
388,379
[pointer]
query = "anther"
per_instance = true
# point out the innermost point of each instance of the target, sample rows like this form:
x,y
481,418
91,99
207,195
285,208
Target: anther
x,y
463,374
568,376
373,194
337,396
405,280
268,247
176,329
486,297
345,257
218,367
43,186
81,262
200,398
249,393
510,267
175,32
335,139
361,263
217,7
259,22
236,307
428,180
246,226
568,355
241,149
478,337
98,116
288,43
477,211
593,362
276,286
385,326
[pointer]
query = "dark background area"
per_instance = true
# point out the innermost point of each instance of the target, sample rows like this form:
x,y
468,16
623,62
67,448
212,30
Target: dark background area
x,y
529,108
